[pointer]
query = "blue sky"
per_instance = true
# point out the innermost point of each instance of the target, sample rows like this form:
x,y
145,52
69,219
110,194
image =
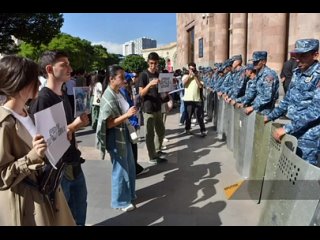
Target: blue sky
x,y
113,29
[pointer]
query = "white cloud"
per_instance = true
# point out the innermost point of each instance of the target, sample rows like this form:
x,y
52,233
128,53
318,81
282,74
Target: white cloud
x,y
110,46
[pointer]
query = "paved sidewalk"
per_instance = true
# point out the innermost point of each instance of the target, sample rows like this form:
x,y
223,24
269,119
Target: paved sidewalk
x,y
188,190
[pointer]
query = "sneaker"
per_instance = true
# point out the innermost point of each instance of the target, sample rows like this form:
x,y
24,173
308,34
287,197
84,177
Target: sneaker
x,y
204,133
165,140
188,132
161,154
145,170
193,120
164,147
129,208
180,124
193,124
157,160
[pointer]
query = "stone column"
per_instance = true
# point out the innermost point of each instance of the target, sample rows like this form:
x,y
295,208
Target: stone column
x,y
303,25
267,32
238,34
221,36
274,39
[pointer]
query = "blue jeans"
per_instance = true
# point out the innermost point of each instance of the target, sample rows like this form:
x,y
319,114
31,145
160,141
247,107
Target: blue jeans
x,y
182,112
76,195
123,177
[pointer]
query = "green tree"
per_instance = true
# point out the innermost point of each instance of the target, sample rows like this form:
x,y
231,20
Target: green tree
x,y
162,63
33,28
100,57
112,59
134,63
30,51
81,53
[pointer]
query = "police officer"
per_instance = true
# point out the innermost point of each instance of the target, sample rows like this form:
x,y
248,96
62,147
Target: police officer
x,y
267,85
250,74
239,79
302,102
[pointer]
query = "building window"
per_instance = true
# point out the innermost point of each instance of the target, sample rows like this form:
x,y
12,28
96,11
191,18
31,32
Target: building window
x,y
191,45
200,47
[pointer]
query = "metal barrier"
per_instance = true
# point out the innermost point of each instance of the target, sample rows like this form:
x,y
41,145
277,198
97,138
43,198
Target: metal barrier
x,y
230,126
293,192
275,151
246,124
220,125
261,147
215,110
236,131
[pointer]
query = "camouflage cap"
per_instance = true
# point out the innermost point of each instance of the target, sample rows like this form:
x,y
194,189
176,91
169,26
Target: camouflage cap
x,y
237,57
306,45
259,55
227,63
249,66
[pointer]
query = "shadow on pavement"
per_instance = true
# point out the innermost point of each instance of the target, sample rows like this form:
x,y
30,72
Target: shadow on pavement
x,y
183,196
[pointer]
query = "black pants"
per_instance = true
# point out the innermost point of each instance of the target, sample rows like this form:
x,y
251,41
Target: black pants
x,y
139,168
197,108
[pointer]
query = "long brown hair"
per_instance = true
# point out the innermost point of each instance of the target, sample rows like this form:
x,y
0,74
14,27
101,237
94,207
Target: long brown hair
x,y
16,73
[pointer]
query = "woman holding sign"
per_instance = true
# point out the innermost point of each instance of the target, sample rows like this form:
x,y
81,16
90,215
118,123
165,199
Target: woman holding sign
x,y
113,135
22,152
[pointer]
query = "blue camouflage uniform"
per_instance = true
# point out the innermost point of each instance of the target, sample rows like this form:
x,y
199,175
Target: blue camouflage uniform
x,y
302,105
239,83
267,90
227,83
267,86
251,90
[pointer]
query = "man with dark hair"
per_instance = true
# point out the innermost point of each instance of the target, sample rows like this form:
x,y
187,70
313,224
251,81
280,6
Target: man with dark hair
x,y
56,67
192,98
287,72
148,89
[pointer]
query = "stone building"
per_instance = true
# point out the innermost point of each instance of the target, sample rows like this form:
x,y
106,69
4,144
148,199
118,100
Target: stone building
x,y
136,46
168,52
206,38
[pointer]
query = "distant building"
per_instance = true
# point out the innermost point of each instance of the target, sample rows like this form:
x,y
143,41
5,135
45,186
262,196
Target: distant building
x,y
136,46
168,52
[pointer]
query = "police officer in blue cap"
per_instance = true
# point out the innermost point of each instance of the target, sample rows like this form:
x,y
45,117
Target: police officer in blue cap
x,y
227,66
267,85
302,102
238,86
249,95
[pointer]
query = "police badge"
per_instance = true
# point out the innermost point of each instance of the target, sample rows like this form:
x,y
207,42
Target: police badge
x,y
308,79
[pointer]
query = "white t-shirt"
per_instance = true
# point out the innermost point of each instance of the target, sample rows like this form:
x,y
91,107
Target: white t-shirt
x,y
124,105
26,122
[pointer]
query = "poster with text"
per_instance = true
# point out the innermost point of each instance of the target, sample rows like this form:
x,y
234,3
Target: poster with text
x,y
166,82
81,100
51,123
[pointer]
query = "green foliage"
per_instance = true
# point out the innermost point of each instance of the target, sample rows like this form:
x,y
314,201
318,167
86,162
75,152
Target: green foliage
x,y
162,63
100,57
81,52
30,51
134,63
112,59
33,28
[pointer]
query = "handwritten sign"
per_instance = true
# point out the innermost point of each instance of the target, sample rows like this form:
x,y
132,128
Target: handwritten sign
x,y
166,82
51,123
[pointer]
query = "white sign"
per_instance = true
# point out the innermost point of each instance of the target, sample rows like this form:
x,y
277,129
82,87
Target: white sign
x,y
51,123
81,100
166,82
